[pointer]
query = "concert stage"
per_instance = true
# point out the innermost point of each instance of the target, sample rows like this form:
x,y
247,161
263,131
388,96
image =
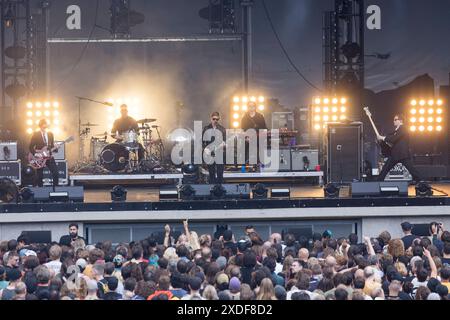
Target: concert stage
x,y
143,214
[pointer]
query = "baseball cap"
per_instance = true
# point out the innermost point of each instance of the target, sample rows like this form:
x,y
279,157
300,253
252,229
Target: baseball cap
x,y
222,278
406,226
82,263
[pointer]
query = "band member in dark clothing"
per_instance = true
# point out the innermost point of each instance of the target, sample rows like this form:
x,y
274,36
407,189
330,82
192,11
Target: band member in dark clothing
x,y
39,140
399,141
123,125
215,169
252,120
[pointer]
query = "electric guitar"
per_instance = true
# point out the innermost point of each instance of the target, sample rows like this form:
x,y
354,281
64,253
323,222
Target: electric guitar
x,y
39,159
385,146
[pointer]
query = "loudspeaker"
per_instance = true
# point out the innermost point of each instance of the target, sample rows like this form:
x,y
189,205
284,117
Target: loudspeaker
x,y
203,191
379,189
63,174
344,152
38,236
304,160
421,229
45,194
8,151
11,170
432,171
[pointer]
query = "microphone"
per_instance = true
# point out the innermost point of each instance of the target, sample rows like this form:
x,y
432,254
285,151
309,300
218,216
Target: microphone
x,y
154,126
108,104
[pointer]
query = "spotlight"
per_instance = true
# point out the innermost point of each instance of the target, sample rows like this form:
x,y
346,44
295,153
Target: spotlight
x,y
190,173
187,192
26,195
423,189
260,191
331,191
118,193
218,191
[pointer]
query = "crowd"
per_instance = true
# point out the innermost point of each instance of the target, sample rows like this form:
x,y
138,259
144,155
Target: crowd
x,y
218,267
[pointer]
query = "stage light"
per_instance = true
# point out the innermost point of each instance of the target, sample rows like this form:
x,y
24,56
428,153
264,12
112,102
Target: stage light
x,y
343,117
236,116
317,126
430,111
325,118
430,102
56,113
55,104
245,99
261,99
422,102
317,100
118,193
413,128
235,99
326,109
343,100
421,119
29,105
422,111
47,104
439,111
235,108
56,121
439,102
326,112
421,128
334,109
413,102
187,192
413,120
423,189
430,119
244,107
235,124
334,100
438,119
326,101
331,190
413,111
218,192
317,109
38,104
29,122
38,113
343,109
334,118
260,191
29,131
29,114
239,105
56,130
438,128
47,113
253,99
261,107
430,128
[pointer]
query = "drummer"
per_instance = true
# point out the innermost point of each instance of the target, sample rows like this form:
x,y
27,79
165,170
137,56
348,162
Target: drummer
x,y
124,125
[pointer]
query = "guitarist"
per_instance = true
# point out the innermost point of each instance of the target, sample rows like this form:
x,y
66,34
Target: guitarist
x,y
399,139
215,169
39,140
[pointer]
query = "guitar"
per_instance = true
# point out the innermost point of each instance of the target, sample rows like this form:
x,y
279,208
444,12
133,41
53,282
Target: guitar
x,y
39,159
385,146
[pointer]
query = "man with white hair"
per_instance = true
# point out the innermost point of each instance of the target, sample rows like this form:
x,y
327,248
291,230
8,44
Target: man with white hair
x,y
92,290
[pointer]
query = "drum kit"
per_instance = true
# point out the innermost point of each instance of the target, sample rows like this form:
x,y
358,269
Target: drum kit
x,y
133,151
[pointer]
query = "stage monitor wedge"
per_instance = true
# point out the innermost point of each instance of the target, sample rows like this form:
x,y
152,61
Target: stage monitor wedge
x,y
45,194
379,189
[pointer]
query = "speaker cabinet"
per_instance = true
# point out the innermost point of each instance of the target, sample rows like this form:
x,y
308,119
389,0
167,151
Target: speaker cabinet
x,y
379,189
344,152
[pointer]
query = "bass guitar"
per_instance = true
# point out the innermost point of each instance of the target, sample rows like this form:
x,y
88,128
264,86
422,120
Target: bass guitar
x,y
39,159
384,146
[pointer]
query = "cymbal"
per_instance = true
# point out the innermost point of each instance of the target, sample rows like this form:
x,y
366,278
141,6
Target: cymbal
x,y
101,134
90,124
146,120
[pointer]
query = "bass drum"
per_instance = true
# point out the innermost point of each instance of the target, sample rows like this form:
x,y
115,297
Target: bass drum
x,y
114,157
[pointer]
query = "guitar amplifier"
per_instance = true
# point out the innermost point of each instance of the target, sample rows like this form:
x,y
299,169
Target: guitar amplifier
x,y
63,174
8,151
61,153
304,160
11,170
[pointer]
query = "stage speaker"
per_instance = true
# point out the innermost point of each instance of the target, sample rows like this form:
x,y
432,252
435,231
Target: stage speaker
x,y
304,160
38,236
379,189
421,229
61,194
168,193
432,171
344,152
208,192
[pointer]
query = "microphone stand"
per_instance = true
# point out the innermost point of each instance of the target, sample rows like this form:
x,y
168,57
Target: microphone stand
x,y
81,158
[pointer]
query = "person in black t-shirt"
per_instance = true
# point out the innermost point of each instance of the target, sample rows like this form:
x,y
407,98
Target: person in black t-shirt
x,y
72,236
124,124
252,120
409,237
